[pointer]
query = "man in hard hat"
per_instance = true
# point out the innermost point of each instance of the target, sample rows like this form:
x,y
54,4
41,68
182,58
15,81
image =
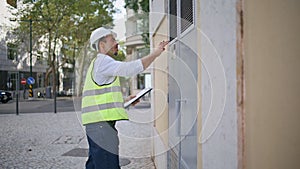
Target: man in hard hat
x,y
102,100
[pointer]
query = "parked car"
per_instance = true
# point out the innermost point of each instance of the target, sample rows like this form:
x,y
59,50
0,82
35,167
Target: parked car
x,y
5,96
62,93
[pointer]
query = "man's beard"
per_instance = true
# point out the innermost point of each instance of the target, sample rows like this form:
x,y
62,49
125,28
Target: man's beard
x,y
112,53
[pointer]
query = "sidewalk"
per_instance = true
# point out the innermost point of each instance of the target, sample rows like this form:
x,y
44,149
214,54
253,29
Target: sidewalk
x,y
48,140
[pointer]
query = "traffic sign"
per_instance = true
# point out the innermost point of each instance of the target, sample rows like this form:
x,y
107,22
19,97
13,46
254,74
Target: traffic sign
x,y
23,81
30,80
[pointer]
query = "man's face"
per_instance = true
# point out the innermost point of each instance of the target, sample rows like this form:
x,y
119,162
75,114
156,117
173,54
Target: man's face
x,y
111,46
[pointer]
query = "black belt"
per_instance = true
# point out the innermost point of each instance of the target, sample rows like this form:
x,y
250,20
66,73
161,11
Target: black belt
x,y
111,123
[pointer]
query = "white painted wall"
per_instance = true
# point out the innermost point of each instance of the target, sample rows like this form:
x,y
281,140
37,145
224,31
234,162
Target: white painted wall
x,y
158,10
159,151
5,26
219,114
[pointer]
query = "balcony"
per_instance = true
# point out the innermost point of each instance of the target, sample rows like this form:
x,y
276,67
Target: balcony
x,y
134,30
134,40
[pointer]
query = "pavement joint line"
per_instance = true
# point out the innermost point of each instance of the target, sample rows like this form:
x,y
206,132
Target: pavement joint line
x,y
36,132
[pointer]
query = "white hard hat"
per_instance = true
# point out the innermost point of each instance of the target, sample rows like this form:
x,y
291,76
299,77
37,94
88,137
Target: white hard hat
x,y
98,34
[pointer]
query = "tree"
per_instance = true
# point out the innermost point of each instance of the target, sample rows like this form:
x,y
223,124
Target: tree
x,y
65,23
88,16
13,3
137,5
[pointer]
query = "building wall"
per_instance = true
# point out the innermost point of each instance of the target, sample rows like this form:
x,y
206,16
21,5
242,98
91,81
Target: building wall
x,y
134,42
219,139
249,85
199,90
160,95
217,117
20,63
272,69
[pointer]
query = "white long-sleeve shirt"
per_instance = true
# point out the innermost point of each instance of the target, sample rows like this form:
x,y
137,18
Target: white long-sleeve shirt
x,y
106,69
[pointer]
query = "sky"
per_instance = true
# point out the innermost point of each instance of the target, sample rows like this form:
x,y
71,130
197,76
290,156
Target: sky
x,y
119,20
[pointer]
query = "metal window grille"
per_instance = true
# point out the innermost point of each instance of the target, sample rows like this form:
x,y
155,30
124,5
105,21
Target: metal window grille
x,y
187,14
173,19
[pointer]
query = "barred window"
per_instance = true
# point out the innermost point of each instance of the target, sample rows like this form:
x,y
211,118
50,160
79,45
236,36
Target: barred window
x,y
172,19
187,14
12,51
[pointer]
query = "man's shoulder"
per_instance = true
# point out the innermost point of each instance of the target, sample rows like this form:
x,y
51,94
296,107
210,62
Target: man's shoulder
x,y
103,62
103,58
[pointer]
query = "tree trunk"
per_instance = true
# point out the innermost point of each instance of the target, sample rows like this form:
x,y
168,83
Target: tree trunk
x,y
80,74
54,74
54,69
49,71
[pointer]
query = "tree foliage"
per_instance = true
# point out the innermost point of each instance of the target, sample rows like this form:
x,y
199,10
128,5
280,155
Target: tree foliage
x,y
63,24
13,3
137,5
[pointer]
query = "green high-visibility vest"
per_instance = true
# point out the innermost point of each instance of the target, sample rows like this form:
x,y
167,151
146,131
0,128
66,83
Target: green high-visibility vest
x,y
101,103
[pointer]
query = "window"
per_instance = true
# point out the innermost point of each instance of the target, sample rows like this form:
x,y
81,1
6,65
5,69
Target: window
x,y
172,19
142,52
12,51
11,81
140,81
40,80
187,14
139,26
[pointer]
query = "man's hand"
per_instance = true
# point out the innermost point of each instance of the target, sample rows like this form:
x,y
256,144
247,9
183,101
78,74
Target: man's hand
x,y
161,47
131,97
146,61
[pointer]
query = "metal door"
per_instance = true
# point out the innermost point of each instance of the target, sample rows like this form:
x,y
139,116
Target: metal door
x,y
183,105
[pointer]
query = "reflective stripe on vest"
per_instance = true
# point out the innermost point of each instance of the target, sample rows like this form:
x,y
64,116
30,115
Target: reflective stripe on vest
x,y
101,103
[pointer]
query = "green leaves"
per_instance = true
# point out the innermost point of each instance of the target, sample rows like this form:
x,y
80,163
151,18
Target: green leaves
x,y
70,21
61,24
137,5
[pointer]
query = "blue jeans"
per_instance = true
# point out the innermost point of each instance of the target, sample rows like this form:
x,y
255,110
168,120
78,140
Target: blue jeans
x,y
103,146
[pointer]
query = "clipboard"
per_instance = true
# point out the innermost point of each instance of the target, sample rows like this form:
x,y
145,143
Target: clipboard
x,y
138,96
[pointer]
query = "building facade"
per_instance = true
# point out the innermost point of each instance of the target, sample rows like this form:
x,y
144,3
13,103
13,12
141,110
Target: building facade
x,y
14,63
15,58
136,47
226,91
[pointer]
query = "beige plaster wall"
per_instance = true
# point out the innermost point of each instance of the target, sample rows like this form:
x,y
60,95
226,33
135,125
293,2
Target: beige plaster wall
x,y
199,116
272,67
160,84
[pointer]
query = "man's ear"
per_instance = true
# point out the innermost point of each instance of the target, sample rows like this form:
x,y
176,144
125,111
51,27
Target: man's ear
x,y
102,45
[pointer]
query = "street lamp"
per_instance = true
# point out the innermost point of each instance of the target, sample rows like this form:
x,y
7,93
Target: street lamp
x,y
30,56
30,45
30,49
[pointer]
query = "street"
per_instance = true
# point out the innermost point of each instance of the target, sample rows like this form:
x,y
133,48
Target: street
x,y
63,104
47,140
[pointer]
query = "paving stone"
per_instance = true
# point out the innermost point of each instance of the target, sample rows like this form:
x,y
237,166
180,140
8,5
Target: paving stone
x,y
58,141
